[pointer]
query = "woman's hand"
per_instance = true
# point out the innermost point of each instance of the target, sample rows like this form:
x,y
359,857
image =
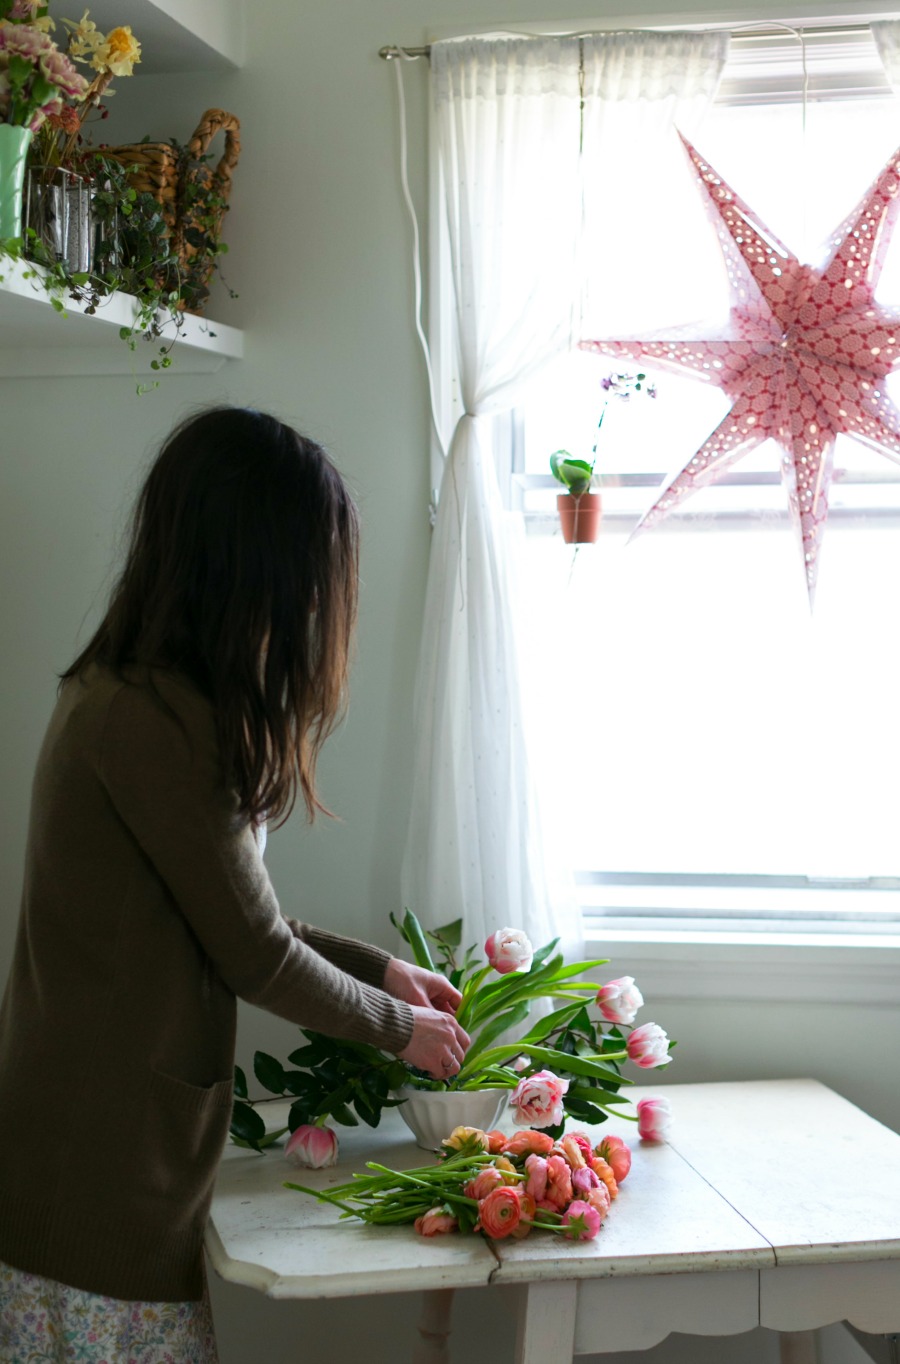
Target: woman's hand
x,y
418,986
438,1044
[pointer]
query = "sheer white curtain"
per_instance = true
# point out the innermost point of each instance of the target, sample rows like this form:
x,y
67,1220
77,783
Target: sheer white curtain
x,y
886,33
509,128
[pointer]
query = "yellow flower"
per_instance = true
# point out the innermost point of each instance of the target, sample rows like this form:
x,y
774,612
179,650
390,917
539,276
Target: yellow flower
x,y
118,54
84,38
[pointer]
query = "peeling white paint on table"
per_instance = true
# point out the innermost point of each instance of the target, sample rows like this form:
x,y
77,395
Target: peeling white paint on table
x,y
775,1203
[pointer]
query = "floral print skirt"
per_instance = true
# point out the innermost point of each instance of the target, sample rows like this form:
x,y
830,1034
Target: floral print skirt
x,y
42,1322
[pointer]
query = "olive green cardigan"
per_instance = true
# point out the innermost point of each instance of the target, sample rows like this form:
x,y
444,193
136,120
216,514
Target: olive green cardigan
x,y
146,910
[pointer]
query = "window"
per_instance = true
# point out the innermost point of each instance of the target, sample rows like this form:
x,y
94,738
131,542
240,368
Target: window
x,y
715,753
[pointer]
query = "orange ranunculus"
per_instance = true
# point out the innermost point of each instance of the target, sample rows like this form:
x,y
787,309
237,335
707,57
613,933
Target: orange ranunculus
x,y
527,1210
500,1213
559,1183
599,1199
604,1170
496,1141
572,1153
616,1153
435,1222
529,1143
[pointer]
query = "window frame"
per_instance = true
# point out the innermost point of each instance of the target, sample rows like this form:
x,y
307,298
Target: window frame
x,y
704,956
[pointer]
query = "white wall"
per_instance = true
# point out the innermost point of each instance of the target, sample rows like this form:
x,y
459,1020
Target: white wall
x,y
320,257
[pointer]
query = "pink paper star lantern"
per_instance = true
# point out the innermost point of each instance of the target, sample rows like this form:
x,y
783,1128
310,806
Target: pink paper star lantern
x,y
803,356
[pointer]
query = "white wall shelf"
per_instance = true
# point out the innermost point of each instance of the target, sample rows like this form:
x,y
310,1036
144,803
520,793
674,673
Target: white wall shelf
x,y
36,341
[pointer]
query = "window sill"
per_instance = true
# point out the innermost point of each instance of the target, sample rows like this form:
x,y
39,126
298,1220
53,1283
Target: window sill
x,y
788,968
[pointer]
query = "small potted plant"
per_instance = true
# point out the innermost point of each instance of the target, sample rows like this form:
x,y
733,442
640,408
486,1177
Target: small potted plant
x,y
579,508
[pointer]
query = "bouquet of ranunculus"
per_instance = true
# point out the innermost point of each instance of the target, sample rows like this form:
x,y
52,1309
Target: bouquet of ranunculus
x,y
494,1184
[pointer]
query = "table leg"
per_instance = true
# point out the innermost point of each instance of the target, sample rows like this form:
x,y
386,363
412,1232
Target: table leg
x,y
434,1327
799,1347
546,1329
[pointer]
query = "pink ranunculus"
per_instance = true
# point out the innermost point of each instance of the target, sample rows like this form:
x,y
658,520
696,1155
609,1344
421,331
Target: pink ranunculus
x,y
536,1184
559,1183
581,1221
654,1119
486,1179
312,1147
617,1154
599,1199
509,950
537,1100
584,1143
583,1180
435,1222
648,1046
619,1000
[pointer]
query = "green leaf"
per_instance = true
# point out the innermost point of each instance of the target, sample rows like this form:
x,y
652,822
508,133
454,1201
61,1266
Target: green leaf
x,y
269,1072
548,1024
240,1083
247,1127
416,939
510,1019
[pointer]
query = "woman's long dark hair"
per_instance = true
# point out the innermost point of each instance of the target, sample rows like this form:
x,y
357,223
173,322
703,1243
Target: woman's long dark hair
x,y
242,573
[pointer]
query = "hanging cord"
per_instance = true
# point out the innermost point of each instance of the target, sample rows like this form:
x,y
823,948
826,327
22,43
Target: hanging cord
x,y
800,35
417,267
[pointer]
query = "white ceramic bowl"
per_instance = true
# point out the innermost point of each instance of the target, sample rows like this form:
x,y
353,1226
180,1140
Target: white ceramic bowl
x,y
432,1114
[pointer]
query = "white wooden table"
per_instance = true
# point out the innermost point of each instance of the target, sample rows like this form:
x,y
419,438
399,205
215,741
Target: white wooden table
x,y
774,1203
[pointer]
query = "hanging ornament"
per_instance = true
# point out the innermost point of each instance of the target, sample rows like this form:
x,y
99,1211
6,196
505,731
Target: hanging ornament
x,y
803,355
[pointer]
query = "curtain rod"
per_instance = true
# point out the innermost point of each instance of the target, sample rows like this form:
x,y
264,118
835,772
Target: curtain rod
x,y
392,51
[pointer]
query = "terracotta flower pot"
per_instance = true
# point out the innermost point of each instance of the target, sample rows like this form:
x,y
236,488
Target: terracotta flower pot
x,y
579,517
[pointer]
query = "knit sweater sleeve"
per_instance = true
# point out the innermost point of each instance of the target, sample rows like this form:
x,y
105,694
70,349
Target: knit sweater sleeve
x,y
159,762
360,959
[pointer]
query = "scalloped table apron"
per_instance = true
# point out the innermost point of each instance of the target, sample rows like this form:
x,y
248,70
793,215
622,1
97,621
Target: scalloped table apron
x,y
14,143
773,1203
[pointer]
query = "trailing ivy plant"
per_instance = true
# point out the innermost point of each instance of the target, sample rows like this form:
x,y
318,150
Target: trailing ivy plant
x,y
132,256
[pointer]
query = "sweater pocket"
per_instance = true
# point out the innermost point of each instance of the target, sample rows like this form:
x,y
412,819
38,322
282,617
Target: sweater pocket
x,y
186,1128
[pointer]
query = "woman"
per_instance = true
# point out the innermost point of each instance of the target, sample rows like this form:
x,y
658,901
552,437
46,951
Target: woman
x,y
195,712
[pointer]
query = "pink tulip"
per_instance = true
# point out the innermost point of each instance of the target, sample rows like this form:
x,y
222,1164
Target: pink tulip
x,y
435,1222
617,1155
537,1100
581,1221
654,1119
509,950
312,1147
648,1046
619,1000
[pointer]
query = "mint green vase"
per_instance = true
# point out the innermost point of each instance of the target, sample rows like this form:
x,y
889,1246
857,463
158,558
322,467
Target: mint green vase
x,y
14,142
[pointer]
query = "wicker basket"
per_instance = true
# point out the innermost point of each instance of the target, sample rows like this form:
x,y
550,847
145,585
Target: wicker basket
x,y
182,182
